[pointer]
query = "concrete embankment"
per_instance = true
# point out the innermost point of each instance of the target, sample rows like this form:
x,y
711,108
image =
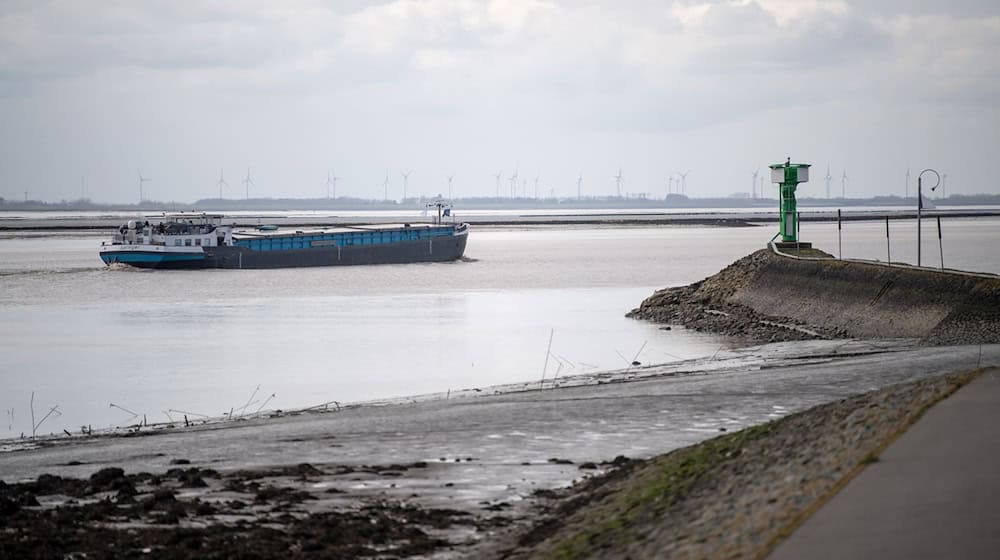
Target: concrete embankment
x,y
769,297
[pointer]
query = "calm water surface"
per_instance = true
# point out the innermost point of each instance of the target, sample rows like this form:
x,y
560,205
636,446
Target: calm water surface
x,y
84,337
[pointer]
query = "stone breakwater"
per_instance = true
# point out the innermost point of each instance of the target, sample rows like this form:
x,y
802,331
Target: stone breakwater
x,y
734,496
765,297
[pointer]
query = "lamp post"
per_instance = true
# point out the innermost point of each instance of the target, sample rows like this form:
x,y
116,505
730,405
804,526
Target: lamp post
x,y
920,203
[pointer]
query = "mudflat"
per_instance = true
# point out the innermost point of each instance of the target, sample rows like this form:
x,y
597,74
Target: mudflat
x,y
439,478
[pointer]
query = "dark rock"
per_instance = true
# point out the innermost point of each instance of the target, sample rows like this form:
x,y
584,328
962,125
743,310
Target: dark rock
x,y
305,469
8,507
163,495
618,461
205,508
108,479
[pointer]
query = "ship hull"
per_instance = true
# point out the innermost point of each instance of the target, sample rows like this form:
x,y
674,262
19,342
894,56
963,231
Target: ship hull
x,y
152,258
436,249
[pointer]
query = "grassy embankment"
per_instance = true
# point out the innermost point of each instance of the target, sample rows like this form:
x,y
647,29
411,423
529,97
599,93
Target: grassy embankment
x,y
737,495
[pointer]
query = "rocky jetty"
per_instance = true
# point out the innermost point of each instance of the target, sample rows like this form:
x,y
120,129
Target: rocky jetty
x,y
765,297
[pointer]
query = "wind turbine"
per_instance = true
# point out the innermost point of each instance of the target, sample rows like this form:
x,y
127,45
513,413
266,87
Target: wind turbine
x,y
618,182
513,184
828,178
907,183
385,187
497,176
670,184
247,182
579,181
684,181
406,179
843,185
222,181
450,177
536,186
141,181
331,181
753,189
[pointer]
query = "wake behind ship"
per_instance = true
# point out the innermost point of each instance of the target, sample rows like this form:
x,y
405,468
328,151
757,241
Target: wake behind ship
x,y
202,241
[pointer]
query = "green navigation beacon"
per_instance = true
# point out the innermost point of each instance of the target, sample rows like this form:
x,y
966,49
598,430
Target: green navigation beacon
x,y
788,175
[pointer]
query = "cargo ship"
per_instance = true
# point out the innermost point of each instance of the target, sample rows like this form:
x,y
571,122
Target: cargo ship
x,y
191,241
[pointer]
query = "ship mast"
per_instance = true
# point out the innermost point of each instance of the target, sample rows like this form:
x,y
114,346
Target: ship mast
x,y
440,205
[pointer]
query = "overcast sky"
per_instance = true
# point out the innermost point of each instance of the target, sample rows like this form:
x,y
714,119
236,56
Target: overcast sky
x,y
90,92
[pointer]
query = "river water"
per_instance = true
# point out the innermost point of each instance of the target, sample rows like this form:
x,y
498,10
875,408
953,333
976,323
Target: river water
x,y
105,344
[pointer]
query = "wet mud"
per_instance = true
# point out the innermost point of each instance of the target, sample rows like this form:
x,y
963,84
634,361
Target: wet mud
x,y
294,512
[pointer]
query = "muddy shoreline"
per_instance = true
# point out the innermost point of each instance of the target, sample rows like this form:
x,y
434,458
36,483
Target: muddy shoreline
x,y
440,478
730,496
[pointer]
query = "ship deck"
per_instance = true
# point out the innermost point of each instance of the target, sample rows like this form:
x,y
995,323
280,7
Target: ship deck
x,y
253,234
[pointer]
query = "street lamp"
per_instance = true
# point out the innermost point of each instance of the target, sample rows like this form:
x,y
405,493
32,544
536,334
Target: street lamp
x,y
920,203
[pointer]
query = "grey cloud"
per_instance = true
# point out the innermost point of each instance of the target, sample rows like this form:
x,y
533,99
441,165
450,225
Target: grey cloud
x,y
957,8
293,88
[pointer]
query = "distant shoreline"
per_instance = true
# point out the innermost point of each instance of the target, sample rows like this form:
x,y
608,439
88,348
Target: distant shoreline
x,y
527,217
672,201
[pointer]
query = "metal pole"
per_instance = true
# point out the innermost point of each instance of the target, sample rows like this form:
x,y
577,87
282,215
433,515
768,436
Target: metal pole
x,y
548,352
940,244
840,244
798,231
888,248
920,206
